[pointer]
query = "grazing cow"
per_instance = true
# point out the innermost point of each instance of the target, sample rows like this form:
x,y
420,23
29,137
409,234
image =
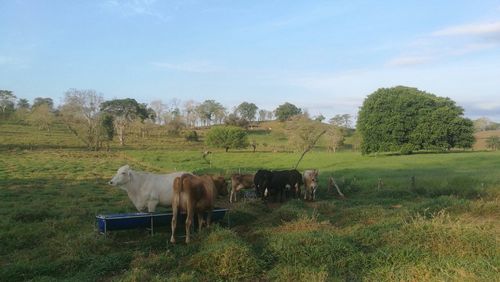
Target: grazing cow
x,y
220,185
146,190
238,182
310,184
262,181
284,183
193,194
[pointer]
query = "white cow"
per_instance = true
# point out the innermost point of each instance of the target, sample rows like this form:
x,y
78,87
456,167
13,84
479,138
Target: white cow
x,y
146,190
310,178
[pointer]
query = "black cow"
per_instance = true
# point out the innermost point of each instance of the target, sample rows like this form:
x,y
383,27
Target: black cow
x,y
284,184
262,181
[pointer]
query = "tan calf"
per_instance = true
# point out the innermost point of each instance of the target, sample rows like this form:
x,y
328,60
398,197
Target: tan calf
x,y
238,182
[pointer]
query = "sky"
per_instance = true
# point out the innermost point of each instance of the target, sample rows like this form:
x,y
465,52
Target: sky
x,y
323,56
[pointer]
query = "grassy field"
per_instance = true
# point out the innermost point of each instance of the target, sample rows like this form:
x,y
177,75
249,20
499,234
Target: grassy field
x,y
445,227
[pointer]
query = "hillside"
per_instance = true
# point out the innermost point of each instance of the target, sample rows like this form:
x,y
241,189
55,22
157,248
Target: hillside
x,y
481,138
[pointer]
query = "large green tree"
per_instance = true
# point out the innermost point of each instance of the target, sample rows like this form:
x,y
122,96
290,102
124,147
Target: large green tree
x,y
406,119
124,111
43,101
210,111
227,137
286,111
247,111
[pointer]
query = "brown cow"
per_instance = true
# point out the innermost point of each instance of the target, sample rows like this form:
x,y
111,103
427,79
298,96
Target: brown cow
x,y
220,184
194,194
310,178
238,182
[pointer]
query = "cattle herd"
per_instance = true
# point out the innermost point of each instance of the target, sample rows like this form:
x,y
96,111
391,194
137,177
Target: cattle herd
x,y
196,194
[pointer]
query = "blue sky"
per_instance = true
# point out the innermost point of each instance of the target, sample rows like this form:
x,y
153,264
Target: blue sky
x,y
323,56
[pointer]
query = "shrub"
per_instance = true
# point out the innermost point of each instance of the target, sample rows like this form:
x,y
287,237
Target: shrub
x,y
191,136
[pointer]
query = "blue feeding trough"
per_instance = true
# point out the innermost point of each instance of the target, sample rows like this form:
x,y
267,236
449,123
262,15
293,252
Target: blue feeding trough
x,y
124,221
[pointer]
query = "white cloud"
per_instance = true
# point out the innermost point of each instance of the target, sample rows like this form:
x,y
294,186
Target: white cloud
x,y
448,44
481,29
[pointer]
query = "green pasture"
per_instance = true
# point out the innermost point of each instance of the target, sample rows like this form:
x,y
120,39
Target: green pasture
x,y
442,227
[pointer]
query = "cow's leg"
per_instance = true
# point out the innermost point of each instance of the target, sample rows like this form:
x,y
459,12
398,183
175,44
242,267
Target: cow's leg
x,y
209,217
231,196
200,220
189,220
305,193
174,224
152,205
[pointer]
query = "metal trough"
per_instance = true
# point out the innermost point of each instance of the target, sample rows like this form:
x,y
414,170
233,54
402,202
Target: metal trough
x,y
123,221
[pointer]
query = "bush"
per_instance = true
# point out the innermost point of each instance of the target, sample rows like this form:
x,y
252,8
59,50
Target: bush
x,y
191,136
228,137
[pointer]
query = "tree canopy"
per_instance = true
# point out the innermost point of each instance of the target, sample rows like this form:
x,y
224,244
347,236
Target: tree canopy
x,y
406,119
7,100
43,101
227,137
247,111
286,111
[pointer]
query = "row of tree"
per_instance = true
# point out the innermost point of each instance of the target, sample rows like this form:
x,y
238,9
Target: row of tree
x,y
400,119
95,121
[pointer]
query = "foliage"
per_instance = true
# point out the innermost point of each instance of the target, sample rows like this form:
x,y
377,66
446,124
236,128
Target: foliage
x,y
210,111
336,137
303,131
124,111
484,124
107,125
344,121
191,135
320,118
286,111
235,120
175,126
493,142
23,104
407,119
7,99
41,116
247,111
228,137
43,101
80,113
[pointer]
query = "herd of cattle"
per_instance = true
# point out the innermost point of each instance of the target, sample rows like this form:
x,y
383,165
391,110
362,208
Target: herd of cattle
x,y
196,194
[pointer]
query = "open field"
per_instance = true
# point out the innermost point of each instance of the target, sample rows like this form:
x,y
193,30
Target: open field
x,y
445,227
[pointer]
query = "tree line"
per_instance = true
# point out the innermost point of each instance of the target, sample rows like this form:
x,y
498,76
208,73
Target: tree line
x,y
96,122
398,119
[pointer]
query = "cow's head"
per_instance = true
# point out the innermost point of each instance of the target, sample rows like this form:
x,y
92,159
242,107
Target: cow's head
x,y
122,176
221,185
314,179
